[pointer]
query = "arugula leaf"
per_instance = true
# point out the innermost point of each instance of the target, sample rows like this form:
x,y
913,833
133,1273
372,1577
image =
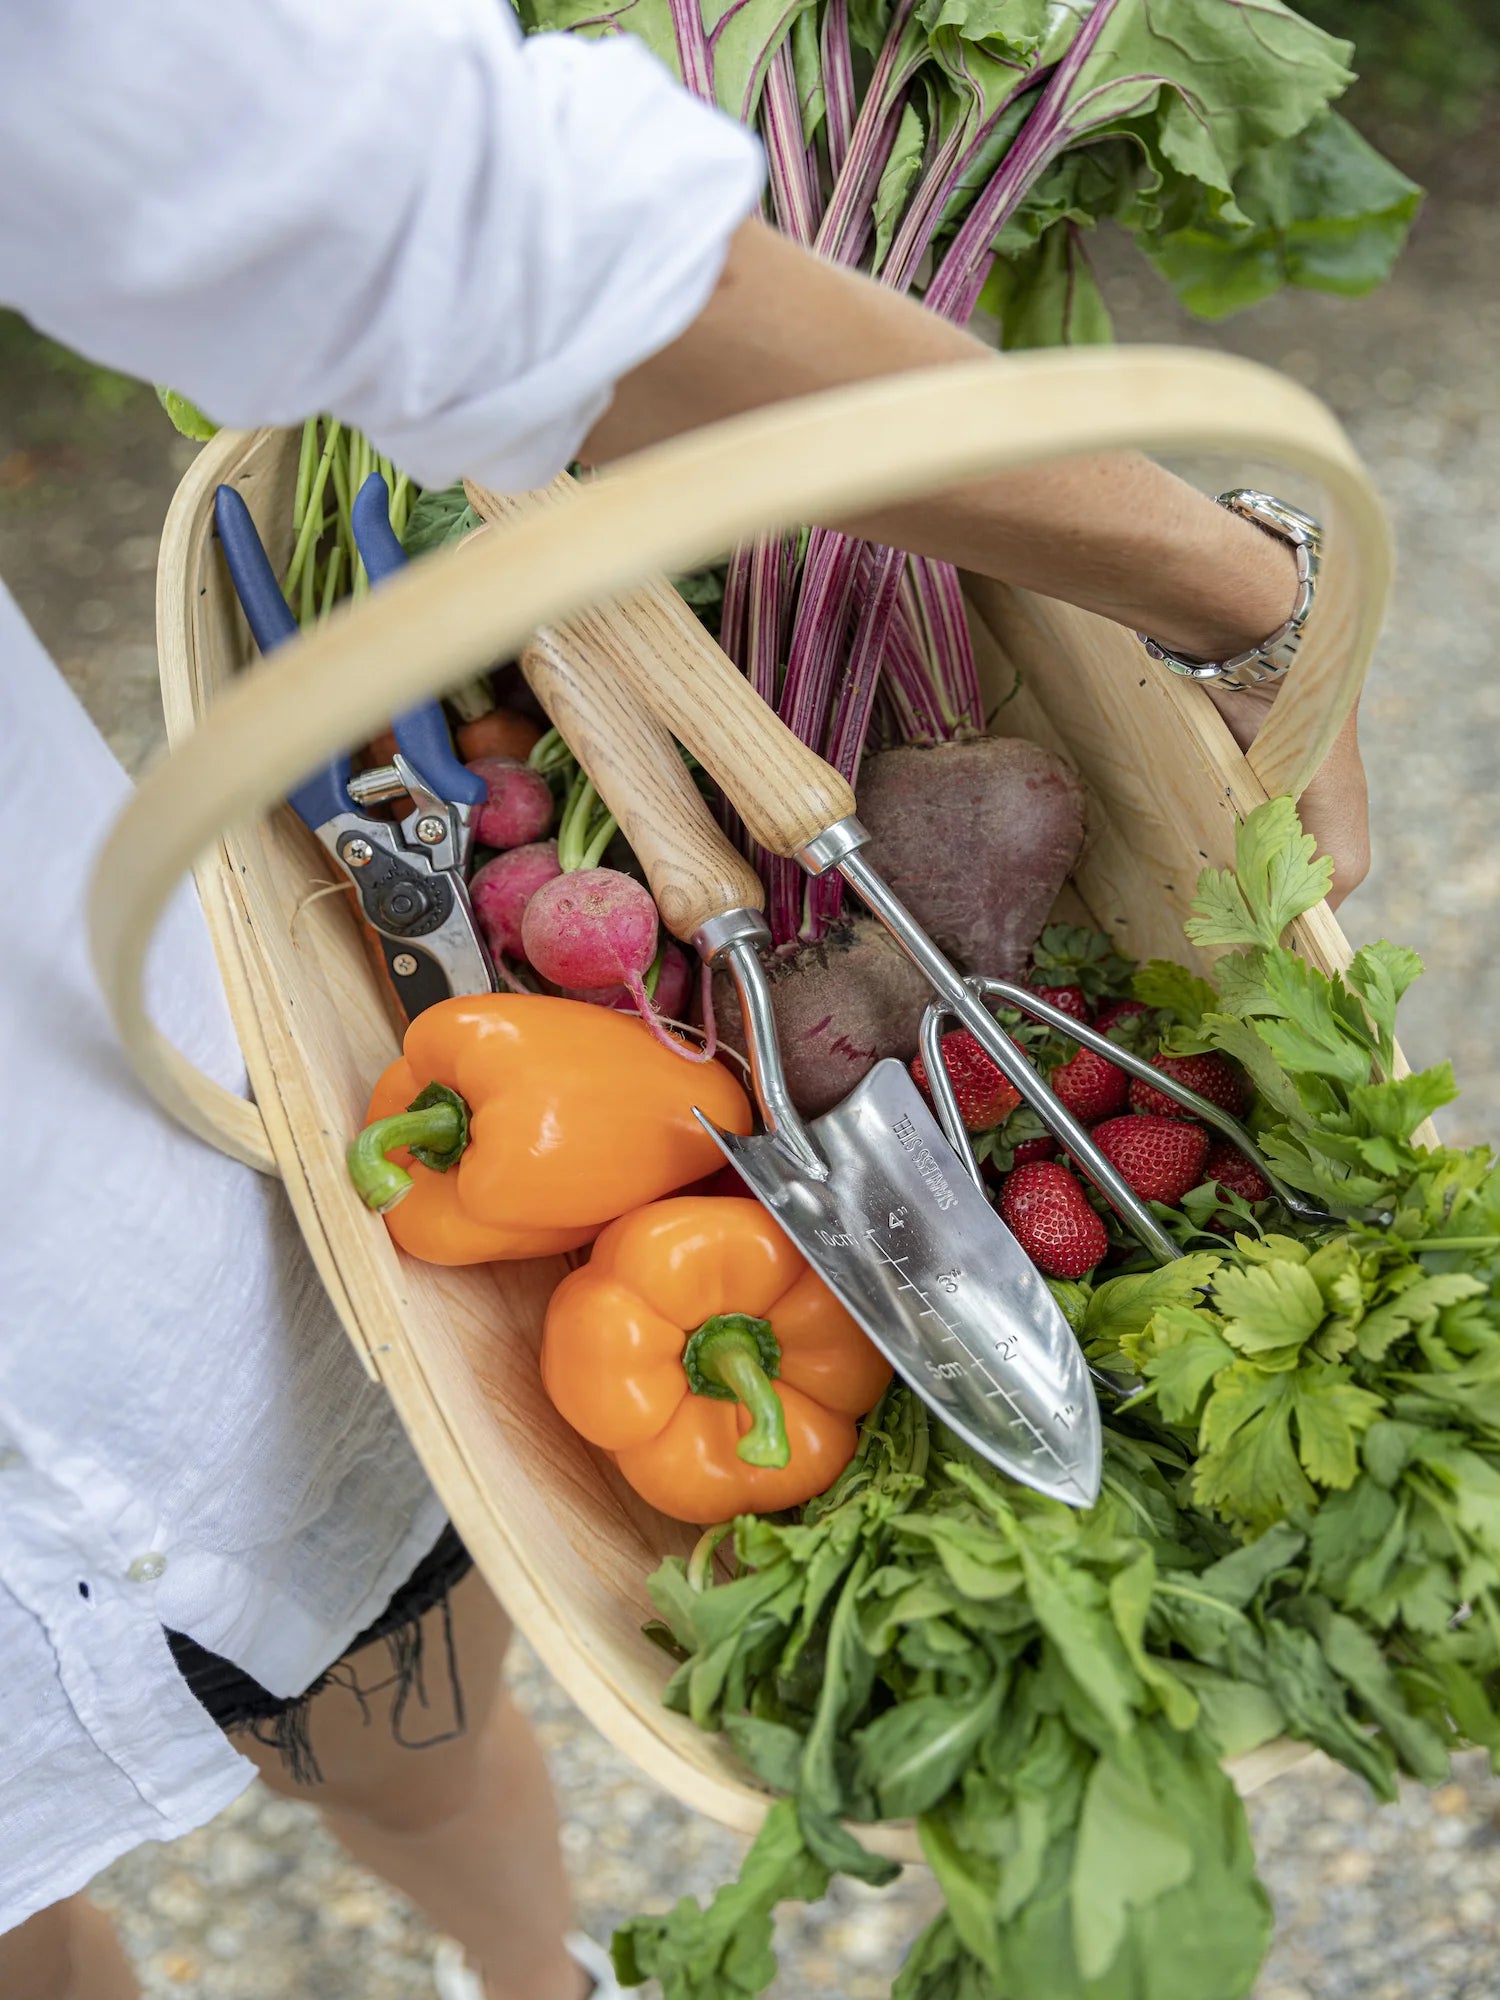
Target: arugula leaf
x,y
916,1752
1238,1715
1131,1849
1357,1660
1276,878
725,1950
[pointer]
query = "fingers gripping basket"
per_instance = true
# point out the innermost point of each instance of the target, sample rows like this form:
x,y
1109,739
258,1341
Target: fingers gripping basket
x,y
559,1536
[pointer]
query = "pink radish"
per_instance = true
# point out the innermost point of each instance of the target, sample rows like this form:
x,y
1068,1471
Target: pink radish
x,y
518,810
591,928
502,888
670,998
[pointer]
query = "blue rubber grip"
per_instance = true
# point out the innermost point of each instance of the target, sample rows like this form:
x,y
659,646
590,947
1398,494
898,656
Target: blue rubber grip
x,y
422,734
325,795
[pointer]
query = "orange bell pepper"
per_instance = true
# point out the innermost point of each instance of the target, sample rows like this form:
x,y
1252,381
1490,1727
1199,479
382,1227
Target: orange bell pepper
x,y
663,1348
518,1125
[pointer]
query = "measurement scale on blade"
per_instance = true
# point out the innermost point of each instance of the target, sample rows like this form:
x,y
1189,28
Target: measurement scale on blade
x,y
916,1253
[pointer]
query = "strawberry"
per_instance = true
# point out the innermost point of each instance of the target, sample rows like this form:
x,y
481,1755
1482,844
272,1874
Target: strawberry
x,y
1090,1087
985,1098
1071,999
1161,1158
1113,1012
1044,1148
1211,1075
1049,1215
1235,1174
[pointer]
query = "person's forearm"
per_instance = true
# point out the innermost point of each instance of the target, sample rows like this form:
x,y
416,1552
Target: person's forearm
x,y
1117,535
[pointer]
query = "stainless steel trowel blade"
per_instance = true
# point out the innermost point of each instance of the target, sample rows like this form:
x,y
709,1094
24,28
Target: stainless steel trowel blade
x,y
903,1236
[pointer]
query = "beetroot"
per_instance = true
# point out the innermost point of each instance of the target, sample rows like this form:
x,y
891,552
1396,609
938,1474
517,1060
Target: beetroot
x,y
518,810
841,1006
976,838
501,889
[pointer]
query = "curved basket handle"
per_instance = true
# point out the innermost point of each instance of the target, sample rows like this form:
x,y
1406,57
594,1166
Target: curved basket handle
x,y
676,506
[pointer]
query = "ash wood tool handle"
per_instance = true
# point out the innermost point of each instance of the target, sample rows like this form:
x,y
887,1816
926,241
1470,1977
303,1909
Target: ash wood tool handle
x,y
694,872
784,792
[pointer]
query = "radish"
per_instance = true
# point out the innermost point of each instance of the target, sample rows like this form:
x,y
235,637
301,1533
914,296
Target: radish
x,y
518,810
841,1005
593,928
670,997
501,889
976,837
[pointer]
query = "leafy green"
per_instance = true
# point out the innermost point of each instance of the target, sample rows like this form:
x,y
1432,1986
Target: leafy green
x,y
1320,209
187,419
1298,1533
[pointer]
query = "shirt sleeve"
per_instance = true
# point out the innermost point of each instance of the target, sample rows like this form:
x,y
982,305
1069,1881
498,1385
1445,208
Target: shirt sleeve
x,y
399,211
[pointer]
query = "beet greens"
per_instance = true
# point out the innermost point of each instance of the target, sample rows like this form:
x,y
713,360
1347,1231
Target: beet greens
x,y
960,150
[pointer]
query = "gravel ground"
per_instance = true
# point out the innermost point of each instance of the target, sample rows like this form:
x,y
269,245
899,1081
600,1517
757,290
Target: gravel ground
x,y
1395,1904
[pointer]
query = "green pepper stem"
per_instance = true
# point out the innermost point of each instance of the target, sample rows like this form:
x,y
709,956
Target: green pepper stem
x,y
379,1182
735,1356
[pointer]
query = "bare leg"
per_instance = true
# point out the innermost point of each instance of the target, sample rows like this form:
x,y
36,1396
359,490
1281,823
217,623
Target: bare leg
x,y
69,1952
467,1829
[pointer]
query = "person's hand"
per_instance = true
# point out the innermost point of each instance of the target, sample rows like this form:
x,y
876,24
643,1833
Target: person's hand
x,y
1115,534
1335,808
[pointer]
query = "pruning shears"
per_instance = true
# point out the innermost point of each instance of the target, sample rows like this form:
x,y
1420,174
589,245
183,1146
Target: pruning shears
x,y
410,877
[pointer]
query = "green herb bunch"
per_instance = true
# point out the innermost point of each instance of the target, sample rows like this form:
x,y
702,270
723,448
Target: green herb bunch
x,y
1298,1536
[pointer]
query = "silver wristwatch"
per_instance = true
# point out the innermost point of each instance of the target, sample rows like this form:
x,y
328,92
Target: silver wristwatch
x,y
1273,656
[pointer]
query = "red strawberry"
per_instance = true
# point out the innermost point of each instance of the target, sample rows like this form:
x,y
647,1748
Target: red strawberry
x,y
1112,1012
1048,1212
1071,999
1161,1158
985,1099
1211,1075
1044,1148
1235,1174
1090,1087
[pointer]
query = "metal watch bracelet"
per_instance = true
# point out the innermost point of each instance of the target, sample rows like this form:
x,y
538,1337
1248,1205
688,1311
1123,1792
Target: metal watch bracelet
x,y
1271,659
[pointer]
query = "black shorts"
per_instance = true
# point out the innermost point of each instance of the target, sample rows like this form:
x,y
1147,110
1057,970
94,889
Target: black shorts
x,y
240,1705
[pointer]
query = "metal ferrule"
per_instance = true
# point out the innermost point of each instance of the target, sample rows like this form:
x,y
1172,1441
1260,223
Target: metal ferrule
x,y
777,1110
829,848
960,1000
714,936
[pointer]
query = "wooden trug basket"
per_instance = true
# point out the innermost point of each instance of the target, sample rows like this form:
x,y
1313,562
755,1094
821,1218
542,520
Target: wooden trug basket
x,y
562,1540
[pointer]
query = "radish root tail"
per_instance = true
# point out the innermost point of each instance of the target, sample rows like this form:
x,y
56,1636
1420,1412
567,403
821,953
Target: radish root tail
x,y
636,987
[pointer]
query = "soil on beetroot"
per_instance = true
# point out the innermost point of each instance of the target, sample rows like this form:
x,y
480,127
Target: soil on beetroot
x,y
1392,1904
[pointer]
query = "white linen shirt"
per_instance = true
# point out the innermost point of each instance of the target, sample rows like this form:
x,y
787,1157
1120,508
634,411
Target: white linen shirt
x,y
457,241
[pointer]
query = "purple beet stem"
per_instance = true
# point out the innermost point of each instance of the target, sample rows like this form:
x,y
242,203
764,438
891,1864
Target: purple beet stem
x,y
911,618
